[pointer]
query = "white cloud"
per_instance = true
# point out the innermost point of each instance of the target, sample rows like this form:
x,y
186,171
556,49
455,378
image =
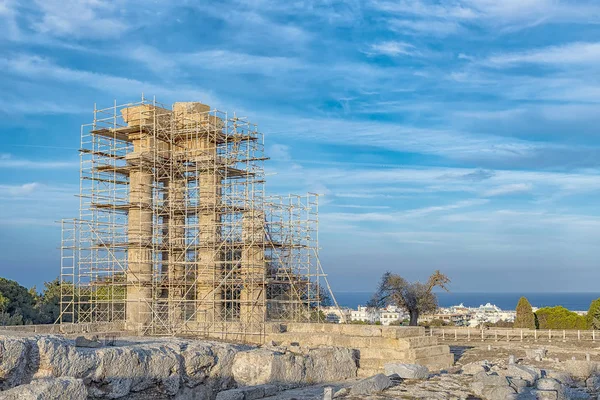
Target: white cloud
x,y
392,49
9,161
38,68
431,27
80,18
279,152
19,190
508,189
445,10
578,53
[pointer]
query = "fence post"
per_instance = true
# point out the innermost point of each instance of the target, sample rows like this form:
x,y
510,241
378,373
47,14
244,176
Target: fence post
x,y
564,335
443,334
455,335
535,335
578,335
468,335
496,335
507,333
549,335
482,335
593,335
521,335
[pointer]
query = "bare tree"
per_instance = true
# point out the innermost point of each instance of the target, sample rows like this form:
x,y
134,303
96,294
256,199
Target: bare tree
x,y
416,298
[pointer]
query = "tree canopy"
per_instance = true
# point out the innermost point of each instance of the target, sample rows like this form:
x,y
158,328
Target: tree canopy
x,y
593,315
19,305
525,317
560,318
416,297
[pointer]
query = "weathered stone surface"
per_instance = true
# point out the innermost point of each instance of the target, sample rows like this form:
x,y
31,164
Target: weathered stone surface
x,y
330,364
593,383
477,387
545,395
474,368
499,393
521,371
251,392
548,384
92,341
581,369
490,379
58,357
407,371
575,394
561,376
17,360
518,384
48,389
374,384
260,366
536,353
233,394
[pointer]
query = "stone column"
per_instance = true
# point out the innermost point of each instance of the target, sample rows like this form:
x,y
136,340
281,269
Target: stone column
x,y
200,147
252,271
139,255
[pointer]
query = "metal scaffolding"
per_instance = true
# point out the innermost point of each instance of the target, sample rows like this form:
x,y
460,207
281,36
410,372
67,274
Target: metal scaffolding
x,y
175,234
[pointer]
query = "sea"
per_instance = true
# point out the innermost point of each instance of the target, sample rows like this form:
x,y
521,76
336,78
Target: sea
x,y
506,301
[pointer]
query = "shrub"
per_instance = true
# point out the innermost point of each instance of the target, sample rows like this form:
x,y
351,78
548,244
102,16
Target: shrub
x,y
560,318
525,318
593,315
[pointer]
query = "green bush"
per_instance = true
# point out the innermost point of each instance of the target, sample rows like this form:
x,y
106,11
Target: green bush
x,y
593,315
525,318
560,318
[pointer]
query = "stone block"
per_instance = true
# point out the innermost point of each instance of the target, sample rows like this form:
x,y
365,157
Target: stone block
x,y
545,394
593,383
536,353
90,341
474,368
521,371
499,393
406,371
581,369
490,379
48,389
374,384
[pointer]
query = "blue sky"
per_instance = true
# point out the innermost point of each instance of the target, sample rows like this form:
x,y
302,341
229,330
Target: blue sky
x,y
456,135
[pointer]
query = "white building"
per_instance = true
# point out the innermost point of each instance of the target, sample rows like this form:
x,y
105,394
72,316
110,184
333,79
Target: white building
x,y
392,314
366,314
336,315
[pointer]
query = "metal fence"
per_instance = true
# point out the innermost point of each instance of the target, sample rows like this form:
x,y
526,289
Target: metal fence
x,y
513,335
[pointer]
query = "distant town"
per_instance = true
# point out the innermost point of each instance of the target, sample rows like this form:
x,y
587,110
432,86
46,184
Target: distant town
x,y
459,315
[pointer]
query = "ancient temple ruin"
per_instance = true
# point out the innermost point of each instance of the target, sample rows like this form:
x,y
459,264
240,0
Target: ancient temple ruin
x,y
176,234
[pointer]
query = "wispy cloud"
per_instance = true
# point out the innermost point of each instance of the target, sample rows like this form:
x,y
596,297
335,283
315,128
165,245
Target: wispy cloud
x,y
392,49
569,54
79,18
508,189
19,190
9,161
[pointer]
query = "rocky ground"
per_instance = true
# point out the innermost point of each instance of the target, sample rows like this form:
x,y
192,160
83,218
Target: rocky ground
x,y
55,367
483,371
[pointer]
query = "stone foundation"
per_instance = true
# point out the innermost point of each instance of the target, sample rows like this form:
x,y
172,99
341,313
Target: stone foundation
x,y
376,345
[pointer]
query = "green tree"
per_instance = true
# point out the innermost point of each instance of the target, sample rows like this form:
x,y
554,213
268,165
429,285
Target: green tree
x,y
593,315
48,304
560,318
3,303
525,318
416,297
21,304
